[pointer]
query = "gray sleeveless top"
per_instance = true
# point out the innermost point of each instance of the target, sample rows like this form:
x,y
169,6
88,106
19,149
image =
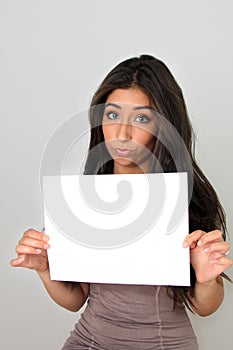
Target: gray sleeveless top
x,y
134,317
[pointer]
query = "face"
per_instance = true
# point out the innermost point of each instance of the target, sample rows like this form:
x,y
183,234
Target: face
x,y
129,128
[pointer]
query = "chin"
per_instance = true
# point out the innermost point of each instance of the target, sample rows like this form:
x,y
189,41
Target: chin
x,y
124,162
127,166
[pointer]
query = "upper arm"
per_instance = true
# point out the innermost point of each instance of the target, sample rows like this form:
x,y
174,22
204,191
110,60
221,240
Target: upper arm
x,y
85,287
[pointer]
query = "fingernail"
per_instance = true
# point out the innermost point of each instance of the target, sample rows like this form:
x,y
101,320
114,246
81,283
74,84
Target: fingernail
x,y
45,238
185,244
206,250
38,251
199,243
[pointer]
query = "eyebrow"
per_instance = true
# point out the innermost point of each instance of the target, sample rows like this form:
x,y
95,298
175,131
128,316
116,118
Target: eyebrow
x,y
135,108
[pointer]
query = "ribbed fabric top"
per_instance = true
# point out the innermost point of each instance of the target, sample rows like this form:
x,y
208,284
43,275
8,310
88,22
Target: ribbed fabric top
x,y
131,317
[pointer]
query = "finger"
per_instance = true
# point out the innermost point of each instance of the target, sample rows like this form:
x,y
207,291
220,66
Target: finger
x,y
223,261
192,239
211,236
23,249
40,236
35,243
221,247
215,255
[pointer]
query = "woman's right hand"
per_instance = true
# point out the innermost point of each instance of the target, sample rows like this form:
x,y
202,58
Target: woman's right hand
x,y
32,251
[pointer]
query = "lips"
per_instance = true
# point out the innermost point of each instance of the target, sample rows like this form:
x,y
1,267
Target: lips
x,y
123,152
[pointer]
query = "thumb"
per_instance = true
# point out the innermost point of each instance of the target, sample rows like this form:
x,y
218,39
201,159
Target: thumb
x,y
18,261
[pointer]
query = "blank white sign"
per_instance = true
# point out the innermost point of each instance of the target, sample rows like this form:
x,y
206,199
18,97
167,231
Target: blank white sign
x,y
124,229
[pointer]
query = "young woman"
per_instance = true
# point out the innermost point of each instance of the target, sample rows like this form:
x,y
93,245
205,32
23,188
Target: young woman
x,y
128,113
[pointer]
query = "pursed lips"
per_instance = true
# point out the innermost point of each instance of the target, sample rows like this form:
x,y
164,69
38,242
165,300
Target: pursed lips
x,y
124,152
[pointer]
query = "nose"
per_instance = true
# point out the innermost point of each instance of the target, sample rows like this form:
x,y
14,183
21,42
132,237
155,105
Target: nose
x,y
124,132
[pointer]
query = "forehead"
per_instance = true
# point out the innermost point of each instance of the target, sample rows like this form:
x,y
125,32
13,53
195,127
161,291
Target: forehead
x,y
131,95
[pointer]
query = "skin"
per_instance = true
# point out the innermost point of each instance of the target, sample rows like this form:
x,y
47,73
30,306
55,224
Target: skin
x,y
129,124
209,260
125,130
32,254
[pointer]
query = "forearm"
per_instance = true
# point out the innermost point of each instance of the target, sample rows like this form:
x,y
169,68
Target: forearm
x,y
207,297
62,293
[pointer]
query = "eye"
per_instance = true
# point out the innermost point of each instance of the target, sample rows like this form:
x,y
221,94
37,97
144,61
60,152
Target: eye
x,y
142,119
112,115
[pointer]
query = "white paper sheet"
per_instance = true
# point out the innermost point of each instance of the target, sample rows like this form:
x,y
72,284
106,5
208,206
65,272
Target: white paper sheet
x,y
124,229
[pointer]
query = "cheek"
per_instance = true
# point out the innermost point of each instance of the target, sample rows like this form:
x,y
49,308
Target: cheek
x,y
145,138
106,132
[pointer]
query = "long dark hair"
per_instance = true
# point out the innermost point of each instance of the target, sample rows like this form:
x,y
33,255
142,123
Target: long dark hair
x,y
154,78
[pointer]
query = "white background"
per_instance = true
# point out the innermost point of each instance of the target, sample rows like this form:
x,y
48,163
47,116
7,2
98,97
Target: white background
x,y
53,56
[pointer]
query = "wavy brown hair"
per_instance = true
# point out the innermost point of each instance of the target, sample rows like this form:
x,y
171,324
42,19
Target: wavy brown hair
x,y
153,77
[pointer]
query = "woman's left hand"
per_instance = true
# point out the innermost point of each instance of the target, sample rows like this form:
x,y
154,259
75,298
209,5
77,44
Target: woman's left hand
x,y
208,254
